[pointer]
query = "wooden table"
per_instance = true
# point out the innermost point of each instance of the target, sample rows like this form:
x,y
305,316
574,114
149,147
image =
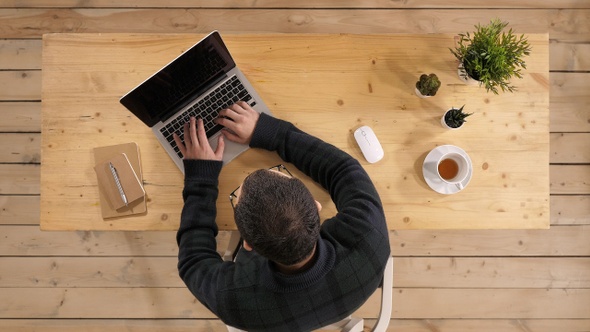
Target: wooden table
x,y
328,85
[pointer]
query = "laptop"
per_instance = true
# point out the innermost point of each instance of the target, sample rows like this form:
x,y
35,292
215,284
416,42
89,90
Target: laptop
x,y
199,83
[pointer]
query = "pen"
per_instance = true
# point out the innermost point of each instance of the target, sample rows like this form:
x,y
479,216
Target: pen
x,y
118,183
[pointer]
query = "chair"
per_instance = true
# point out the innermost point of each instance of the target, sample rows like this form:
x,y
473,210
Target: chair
x,y
349,324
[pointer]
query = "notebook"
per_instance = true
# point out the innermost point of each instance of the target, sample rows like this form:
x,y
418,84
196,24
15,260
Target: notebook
x,y
119,181
199,83
126,161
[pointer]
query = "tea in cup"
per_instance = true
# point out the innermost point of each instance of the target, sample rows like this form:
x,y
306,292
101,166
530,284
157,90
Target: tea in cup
x,y
453,168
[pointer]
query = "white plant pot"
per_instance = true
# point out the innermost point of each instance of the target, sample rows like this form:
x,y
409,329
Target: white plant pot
x,y
419,94
463,76
444,123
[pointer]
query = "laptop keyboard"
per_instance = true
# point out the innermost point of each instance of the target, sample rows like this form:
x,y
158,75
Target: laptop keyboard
x,y
207,109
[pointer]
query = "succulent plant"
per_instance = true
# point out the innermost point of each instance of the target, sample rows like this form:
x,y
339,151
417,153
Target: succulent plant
x,y
428,84
455,117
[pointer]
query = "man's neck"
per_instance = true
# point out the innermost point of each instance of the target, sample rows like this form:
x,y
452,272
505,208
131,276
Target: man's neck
x,y
298,267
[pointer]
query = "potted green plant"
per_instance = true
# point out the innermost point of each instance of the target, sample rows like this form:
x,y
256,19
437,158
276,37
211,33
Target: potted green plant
x,y
492,56
427,86
454,118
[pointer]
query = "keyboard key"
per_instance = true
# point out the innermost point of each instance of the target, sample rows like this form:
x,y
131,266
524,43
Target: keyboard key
x,y
208,109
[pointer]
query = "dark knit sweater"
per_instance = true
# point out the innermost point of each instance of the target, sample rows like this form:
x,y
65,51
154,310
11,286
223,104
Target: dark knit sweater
x,y
251,294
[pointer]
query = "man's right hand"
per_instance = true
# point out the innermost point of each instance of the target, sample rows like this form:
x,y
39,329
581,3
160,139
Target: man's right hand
x,y
239,121
196,145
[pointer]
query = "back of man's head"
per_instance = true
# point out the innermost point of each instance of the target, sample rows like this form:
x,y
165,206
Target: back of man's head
x,y
278,217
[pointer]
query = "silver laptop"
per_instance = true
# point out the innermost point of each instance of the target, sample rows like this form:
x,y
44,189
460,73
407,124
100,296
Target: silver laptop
x,y
199,83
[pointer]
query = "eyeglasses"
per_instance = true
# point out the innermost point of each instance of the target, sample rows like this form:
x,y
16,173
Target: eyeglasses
x,y
279,168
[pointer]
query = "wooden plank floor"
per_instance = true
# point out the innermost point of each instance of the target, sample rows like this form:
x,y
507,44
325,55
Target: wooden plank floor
x,y
459,281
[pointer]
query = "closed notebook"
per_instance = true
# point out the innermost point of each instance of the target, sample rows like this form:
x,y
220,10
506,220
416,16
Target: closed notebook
x,y
119,181
125,160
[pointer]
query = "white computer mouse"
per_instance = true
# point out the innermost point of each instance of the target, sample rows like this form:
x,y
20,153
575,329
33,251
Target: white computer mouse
x,y
369,144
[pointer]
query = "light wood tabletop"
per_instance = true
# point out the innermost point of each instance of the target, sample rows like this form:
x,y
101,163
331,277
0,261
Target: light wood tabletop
x,y
326,84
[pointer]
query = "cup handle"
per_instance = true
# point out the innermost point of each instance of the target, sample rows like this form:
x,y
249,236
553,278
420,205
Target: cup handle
x,y
459,185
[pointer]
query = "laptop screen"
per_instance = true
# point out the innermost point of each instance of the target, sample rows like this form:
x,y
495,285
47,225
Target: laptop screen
x,y
182,80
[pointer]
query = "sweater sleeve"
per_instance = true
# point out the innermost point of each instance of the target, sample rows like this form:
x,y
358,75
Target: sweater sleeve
x,y
199,264
341,175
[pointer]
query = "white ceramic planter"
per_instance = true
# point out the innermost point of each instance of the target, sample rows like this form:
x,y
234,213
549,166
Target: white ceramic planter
x,y
419,94
444,123
463,76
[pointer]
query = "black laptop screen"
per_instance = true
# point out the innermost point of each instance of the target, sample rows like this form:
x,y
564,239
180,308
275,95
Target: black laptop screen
x,y
180,81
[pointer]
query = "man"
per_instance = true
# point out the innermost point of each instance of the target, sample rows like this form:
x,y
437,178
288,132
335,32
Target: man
x,y
293,274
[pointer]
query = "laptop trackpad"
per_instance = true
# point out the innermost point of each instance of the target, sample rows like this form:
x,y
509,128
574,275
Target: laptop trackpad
x,y
231,150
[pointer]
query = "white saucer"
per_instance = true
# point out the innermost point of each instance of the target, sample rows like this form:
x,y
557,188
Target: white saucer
x,y
429,170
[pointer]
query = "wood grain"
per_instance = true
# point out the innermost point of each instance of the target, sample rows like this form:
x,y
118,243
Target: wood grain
x,y
570,210
89,272
570,148
512,253
507,243
565,210
336,4
569,56
113,325
20,85
21,116
409,272
565,89
30,241
19,179
566,54
19,210
570,179
499,304
137,303
214,325
363,73
20,148
20,54
489,272
86,302
33,23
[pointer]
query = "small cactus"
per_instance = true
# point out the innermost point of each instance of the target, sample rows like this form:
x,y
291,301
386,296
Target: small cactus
x,y
455,117
428,84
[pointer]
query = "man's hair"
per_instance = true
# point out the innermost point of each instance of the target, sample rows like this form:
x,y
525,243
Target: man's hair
x,y
278,217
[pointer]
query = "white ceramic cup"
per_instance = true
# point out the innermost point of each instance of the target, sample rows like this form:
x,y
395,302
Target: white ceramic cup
x,y
447,172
